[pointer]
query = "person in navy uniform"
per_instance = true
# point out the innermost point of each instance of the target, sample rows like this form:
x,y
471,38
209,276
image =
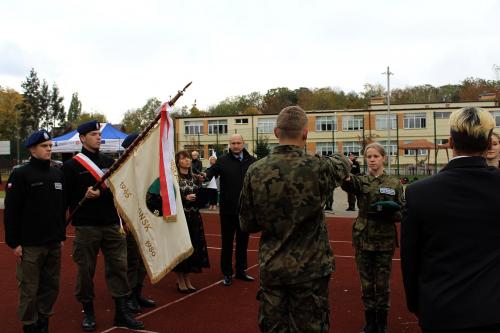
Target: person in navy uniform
x,y
97,228
34,228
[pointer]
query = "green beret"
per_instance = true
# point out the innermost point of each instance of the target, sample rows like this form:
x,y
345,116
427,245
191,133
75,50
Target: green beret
x,y
385,206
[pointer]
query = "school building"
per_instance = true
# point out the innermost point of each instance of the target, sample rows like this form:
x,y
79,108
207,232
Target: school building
x,y
417,133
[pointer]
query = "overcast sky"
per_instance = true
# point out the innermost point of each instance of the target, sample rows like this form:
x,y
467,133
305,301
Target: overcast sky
x,y
117,54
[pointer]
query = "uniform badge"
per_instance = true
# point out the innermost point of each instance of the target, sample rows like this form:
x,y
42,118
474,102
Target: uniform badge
x,y
45,136
9,185
386,190
58,186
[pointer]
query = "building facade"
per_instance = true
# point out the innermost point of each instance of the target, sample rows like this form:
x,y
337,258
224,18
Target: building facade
x,y
417,133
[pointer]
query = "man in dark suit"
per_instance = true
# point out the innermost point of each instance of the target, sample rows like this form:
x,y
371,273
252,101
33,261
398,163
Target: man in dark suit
x,y
231,168
450,236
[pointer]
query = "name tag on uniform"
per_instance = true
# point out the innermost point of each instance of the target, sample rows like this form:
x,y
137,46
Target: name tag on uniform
x,y
386,190
58,186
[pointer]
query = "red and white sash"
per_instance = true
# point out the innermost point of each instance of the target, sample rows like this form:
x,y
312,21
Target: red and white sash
x,y
167,162
91,167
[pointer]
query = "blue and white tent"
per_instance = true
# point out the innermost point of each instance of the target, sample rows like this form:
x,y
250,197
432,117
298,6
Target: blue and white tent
x,y
111,140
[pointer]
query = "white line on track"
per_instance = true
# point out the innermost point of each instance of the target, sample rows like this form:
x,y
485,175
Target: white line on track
x,y
173,302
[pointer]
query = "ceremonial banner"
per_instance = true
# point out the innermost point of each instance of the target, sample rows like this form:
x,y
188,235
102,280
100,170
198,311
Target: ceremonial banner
x,y
163,240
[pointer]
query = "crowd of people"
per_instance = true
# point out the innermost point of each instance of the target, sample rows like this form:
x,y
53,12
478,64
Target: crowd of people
x,y
450,234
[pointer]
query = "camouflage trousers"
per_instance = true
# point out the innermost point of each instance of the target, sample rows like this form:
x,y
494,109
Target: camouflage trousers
x,y
88,241
38,277
374,268
302,307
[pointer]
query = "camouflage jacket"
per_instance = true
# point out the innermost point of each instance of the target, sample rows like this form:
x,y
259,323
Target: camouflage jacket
x,y
283,196
375,230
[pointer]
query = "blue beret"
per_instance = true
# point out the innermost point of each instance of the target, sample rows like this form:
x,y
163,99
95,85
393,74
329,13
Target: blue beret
x,y
89,126
37,137
129,139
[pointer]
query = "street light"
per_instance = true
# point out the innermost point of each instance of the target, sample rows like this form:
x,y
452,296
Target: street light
x,y
388,73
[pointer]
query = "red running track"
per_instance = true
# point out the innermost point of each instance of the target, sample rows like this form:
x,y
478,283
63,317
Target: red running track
x,y
214,308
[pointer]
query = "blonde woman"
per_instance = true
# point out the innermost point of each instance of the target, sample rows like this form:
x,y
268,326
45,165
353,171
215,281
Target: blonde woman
x,y
374,234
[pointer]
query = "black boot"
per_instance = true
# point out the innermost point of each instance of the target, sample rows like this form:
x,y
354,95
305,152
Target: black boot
x,y
88,322
123,318
33,328
381,321
371,324
132,304
143,301
43,324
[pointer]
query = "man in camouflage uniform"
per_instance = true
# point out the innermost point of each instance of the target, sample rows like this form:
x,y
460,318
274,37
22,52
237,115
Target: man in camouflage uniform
x,y
374,237
283,196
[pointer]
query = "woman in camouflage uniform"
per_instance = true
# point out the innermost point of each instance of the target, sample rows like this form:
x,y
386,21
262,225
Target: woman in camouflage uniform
x,y
374,234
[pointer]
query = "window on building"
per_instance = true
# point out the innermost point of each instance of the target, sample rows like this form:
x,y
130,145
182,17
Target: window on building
x,y
496,115
393,147
381,121
352,147
411,152
326,123
352,123
442,115
266,125
241,121
414,120
217,127
441,141
193,127
325,148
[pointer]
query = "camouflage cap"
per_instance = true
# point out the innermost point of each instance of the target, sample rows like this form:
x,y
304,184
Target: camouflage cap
x,y
342,165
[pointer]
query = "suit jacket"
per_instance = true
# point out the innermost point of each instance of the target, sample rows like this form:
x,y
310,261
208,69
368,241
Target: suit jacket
x,y
231,172
450,246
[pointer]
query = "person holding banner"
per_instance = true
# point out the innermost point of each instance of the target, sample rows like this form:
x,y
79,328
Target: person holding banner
x,y
189,185
97,227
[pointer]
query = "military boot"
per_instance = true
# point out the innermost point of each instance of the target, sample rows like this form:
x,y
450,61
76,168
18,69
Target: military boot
x,y
143,301
43,324
371,323
381,321
132,304
33,328
88,322
123,317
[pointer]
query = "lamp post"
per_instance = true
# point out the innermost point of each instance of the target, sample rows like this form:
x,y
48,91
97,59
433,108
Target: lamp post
x,y
388,73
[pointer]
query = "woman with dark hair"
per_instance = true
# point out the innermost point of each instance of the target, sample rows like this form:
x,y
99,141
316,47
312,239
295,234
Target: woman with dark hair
x,y
189,185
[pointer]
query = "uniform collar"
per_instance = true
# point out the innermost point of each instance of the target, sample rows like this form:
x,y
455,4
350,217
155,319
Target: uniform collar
x,y
286,149
39,164
379,178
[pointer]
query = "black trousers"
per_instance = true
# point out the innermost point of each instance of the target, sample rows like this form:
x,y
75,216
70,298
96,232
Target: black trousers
x,y
351,199
482,329
230,225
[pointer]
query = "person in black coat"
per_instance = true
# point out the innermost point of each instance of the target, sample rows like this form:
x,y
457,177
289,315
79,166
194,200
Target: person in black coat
x,y
231,168
450,237
97,228
35,226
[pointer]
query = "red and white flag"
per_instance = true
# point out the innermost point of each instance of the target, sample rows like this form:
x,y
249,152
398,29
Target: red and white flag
x,y
167,162
163,239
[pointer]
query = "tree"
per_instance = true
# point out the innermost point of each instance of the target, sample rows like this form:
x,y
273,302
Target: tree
x,y
138,119
278,98
9,117
262,148
44,120
56,107
85,116
30,108
75,108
